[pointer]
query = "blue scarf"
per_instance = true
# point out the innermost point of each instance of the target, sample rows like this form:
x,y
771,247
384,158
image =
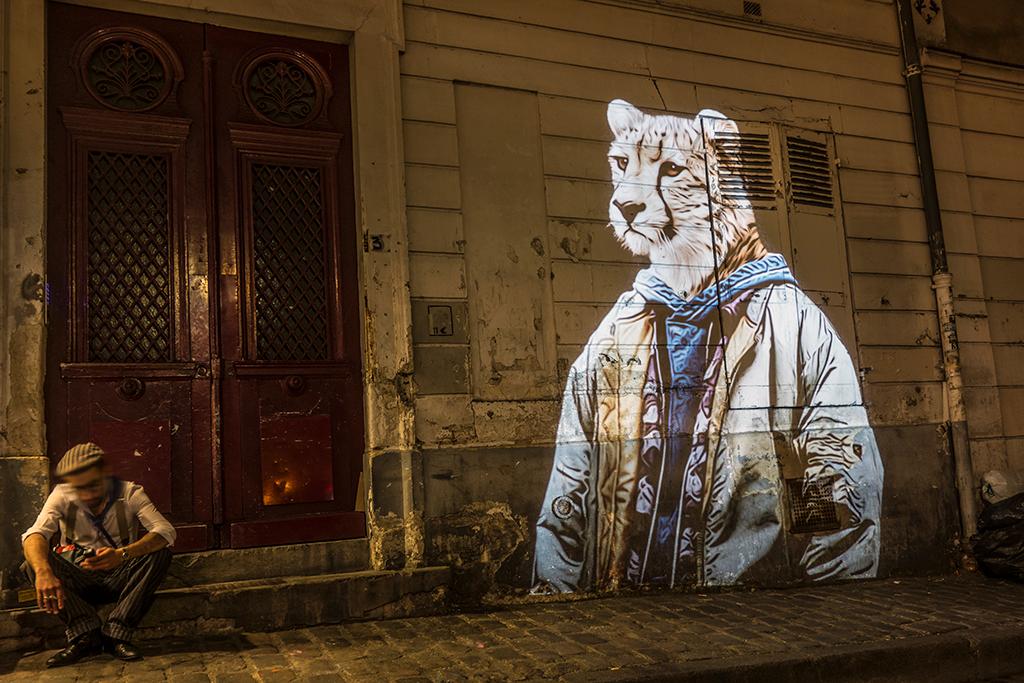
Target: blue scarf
x,y
686,325
686,339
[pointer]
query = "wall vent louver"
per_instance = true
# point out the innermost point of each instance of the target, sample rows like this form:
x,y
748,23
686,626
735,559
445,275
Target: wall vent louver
x,y
745,168
812,507
810,172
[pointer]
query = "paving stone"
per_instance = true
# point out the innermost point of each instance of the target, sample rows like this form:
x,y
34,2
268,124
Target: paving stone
x,y
196,677
235,677
593,639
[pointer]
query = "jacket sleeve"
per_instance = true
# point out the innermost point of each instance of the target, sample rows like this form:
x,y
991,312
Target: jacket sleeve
x,y
837,444
563,554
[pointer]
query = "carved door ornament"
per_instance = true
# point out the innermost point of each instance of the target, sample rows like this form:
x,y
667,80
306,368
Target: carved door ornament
x,y
928,9
283,87
127,69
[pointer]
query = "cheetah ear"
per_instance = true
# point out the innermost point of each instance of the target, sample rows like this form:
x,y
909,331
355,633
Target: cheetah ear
x,y
622,116
716,122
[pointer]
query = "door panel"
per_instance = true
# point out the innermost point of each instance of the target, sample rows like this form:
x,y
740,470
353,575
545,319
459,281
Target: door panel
x,y
126,227
291,400
202,274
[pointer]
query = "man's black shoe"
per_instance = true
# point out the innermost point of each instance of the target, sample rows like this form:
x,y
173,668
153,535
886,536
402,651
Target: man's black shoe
x,y
122,649
81,647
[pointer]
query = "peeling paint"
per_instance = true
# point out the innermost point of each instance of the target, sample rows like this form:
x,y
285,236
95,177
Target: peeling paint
x,y
25,406
387,541
570,247
475,542
404,388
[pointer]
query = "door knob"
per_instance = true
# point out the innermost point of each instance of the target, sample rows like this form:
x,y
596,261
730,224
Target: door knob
x,y
295,385
131,388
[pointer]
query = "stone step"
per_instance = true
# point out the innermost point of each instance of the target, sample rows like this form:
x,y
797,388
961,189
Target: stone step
x,y
220,566
302,559
264,604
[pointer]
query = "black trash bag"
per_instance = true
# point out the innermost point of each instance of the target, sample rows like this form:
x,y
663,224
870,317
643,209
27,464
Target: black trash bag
x,y
1002,514
999,545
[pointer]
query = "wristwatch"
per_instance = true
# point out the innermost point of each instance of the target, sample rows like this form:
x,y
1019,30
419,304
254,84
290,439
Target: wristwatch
x,y
124,554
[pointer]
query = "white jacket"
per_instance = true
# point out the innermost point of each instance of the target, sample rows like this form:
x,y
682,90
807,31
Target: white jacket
x,y
786,406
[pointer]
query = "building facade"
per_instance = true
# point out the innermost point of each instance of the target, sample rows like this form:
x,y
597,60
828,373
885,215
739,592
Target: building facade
x,y
477,280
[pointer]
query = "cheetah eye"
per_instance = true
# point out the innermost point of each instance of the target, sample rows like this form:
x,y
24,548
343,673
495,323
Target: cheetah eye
x,y
621,162
670,169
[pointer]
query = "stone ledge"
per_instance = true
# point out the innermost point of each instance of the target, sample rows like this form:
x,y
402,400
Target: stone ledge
x,y
302,559
261,605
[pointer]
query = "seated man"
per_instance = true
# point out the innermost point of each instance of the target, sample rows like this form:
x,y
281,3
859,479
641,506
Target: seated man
x,y
99,516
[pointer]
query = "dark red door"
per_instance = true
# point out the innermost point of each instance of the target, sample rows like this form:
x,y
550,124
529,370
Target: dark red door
x,y
203,317
289,307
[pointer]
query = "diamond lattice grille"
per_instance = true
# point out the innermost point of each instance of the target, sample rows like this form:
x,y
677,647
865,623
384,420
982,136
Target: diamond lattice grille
x,y
129,307
289,268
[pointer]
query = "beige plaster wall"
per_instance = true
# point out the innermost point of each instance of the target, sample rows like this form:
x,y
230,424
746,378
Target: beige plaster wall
x,y
23,469
22,250
975,110
805,64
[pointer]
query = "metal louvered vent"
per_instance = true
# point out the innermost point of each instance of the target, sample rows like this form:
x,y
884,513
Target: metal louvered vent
x,y
745,168
752,9
811,506
810,172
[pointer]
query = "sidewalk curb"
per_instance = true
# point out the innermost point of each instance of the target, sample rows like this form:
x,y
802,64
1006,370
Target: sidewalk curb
x,y
950,657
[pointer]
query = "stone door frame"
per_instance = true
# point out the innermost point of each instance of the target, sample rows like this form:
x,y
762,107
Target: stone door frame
x,y
373,29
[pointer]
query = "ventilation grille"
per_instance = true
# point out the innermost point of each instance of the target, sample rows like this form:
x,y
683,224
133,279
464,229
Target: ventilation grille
x,y
811,506
752,9
745,168
810,172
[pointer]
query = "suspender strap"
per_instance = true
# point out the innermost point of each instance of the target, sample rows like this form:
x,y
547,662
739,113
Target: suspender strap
x,y
69,523
98,525
122,521
114,501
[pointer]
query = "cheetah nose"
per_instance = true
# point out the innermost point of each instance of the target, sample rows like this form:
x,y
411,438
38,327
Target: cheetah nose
x,y
629,210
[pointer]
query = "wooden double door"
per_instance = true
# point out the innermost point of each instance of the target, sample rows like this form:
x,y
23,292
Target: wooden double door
x,y
203,322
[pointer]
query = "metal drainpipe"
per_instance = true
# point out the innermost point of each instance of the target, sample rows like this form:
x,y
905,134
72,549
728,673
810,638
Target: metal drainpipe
x,y
942,280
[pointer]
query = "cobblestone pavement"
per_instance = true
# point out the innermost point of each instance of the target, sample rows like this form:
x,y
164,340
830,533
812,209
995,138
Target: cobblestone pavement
x,y
575,639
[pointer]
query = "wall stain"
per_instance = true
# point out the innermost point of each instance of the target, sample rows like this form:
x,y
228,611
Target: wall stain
x,y
475,542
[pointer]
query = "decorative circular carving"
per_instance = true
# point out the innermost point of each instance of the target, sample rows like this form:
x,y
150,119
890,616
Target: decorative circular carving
x,y
284,87
128,69
131,388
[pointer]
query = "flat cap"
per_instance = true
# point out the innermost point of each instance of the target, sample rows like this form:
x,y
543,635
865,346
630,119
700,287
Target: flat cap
x,y
78,458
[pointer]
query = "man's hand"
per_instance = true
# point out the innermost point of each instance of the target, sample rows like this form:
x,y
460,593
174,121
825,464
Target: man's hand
x,y
49,593
105,558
